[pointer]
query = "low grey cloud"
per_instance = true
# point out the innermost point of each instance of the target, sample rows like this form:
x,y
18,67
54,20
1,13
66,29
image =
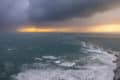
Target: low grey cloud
x,y
55,10
41,12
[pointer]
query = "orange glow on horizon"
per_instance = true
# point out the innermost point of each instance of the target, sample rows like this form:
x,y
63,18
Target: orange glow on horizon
x,y
113,28
35,29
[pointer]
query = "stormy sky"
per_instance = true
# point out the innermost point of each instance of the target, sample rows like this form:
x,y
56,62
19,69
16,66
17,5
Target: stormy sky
x,y
58,13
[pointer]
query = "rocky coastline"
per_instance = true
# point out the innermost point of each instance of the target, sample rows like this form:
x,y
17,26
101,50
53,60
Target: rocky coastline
x,y
117,71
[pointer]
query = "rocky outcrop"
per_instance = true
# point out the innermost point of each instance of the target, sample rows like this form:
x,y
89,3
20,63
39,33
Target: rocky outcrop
x,y
117,71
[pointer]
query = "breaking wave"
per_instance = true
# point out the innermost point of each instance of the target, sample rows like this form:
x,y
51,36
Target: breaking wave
x,y
98,64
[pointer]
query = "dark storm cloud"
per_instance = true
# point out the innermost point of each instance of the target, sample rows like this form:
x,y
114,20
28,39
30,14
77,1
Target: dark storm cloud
x,y
17,12
55,10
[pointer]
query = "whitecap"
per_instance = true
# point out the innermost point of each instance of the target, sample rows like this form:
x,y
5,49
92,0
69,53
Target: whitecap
x,y
38,59
67,64
57,62
49,57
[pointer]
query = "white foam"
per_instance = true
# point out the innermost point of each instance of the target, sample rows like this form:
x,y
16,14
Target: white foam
x,y
57,62
101,53
67,64
94,50
96,73
49,57
100,66
38,59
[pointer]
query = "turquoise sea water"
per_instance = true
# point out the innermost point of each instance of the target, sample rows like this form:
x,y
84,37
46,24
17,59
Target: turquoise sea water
x,y
57,56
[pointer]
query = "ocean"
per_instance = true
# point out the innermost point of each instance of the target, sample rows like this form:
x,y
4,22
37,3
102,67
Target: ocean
x,y
58,56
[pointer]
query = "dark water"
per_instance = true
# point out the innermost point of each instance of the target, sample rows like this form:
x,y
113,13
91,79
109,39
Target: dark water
x,y
18,49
